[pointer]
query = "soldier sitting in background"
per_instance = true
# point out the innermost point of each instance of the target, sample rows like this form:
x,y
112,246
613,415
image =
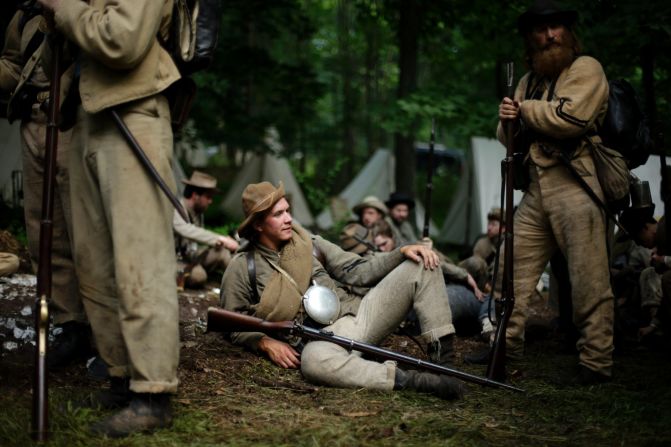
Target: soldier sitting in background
x,y
400,205
202,250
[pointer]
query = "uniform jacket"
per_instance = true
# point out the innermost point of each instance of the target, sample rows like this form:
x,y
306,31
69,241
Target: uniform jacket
x,y
189,234
580,100
16,68
121,57
341,271
403,233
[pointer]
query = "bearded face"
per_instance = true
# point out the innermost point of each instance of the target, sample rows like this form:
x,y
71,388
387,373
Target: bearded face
x,y
551,48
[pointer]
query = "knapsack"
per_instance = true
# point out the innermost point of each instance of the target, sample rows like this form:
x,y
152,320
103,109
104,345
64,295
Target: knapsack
x,y
625,127
192,43
194,33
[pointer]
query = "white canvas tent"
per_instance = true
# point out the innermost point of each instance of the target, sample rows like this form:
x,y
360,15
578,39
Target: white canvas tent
x,y
652,172
272,169
377,179
479,190
10,158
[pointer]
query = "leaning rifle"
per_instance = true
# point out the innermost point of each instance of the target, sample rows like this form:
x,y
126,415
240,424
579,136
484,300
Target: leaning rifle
x,y
496,369
147,164
220,320
44,270
429,182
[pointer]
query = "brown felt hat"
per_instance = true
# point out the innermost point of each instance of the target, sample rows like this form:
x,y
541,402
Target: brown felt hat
x,y
371,202
202,180
257,198
356,238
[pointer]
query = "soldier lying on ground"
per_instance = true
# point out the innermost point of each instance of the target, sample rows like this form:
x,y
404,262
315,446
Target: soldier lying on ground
x,y
268,278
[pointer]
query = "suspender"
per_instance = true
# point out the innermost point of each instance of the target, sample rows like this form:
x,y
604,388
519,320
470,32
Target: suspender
x,y
251,271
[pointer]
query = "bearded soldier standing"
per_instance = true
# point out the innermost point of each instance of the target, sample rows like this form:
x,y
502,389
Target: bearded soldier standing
x,y
557,107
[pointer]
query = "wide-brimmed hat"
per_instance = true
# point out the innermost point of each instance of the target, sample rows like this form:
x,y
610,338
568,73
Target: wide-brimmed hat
x,y
357,239
544,11
400,197
257,198
202,181
370,202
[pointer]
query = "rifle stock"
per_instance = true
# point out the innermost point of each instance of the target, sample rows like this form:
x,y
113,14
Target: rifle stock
x,y
496,369
220,320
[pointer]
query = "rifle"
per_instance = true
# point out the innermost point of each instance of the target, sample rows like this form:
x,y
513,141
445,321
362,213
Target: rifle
x,y
429,182
221,320
40,391
496,369
146,163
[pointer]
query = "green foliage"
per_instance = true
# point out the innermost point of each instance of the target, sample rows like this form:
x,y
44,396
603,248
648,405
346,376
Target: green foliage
x,y
325,74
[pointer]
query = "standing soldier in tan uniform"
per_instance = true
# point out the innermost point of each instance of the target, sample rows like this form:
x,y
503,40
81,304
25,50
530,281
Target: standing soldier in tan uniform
x,y
22,75
557,106
123,242
204,251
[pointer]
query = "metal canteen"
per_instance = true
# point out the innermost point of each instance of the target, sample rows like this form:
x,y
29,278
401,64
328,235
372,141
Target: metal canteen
x,y
321,304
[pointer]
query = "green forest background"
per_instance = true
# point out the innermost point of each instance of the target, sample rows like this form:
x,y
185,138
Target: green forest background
x,y
340,78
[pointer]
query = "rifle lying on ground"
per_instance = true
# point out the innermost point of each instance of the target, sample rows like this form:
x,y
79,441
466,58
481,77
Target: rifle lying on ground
x,y
220,320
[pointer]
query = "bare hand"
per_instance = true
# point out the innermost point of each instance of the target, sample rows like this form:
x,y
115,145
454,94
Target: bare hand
x,y
421,254
476,290
509,110
281,353
228,243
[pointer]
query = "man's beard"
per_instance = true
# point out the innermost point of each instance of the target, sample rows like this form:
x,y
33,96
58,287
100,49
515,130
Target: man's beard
x,y
553,59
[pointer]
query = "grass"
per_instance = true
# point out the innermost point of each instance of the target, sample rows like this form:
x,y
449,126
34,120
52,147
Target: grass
x,y
230,397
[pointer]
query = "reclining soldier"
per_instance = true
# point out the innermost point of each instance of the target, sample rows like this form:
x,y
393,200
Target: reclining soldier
x,y
269,276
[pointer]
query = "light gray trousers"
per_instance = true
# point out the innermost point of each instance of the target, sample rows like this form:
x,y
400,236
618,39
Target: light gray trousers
x,y
382,310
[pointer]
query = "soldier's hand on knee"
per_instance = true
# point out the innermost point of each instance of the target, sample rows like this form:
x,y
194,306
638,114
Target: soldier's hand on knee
x,y
281,353
421,254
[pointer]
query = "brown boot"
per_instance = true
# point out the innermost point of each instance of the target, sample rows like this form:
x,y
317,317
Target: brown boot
x,y
118,395
145,413
441,352
441,386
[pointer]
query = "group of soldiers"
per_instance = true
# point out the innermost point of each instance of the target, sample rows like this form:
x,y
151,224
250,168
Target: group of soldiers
x,y
115,233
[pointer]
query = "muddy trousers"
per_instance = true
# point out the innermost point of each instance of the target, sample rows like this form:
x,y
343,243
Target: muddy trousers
x,y
66,302
408,286
123,243
556,214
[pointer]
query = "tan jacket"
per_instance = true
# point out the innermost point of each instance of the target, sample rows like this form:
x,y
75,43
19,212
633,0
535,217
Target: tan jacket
x,y
14,71
189,234
340,271
121,57
580,100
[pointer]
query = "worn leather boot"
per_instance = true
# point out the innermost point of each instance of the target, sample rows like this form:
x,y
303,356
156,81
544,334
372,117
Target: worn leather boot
x,y
441,352
145,413
118,395
441,386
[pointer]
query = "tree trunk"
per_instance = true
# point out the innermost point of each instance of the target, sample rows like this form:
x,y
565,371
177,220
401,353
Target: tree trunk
x,y
404,145
348,106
